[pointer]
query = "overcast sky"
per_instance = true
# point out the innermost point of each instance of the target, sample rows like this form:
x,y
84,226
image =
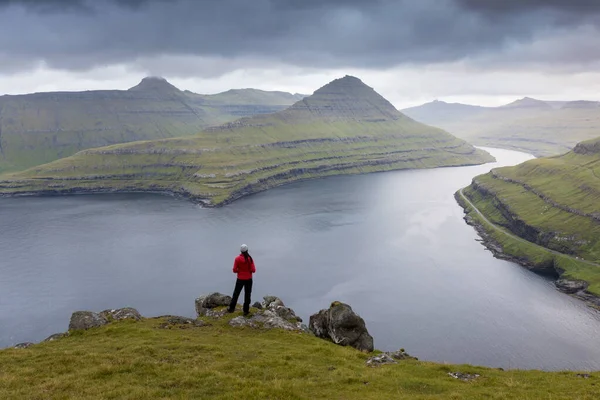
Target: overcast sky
x,y
411,51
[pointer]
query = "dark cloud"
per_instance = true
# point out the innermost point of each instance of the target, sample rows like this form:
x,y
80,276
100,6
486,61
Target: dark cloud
x,y
494,6
80,34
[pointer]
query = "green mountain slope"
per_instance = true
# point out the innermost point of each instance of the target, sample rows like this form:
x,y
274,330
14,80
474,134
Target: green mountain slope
x,y
552,202
345,127
535,126
141,360
42,127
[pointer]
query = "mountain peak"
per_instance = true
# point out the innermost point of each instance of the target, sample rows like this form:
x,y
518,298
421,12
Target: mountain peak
x,y
155,84
347,98
528,102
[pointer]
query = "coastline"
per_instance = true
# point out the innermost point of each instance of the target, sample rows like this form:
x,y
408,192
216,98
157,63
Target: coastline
x,y
574,288
203,201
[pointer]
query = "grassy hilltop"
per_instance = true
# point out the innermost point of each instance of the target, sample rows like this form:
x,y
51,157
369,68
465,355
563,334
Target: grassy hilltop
x,y
344,127
552,202
542,128
42,127
138,360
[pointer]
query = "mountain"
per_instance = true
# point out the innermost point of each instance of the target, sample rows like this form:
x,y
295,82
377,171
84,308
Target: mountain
x,y
528,102
534,126
551,203
345,127
42,127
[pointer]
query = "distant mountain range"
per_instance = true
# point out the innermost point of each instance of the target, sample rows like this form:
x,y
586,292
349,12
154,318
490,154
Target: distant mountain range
x,y
42,127
535,126
345,127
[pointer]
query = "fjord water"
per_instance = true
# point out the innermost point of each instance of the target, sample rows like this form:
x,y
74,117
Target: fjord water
x,y
393,245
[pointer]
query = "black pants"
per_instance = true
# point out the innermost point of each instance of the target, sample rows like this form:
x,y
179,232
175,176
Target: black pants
x,y
239,284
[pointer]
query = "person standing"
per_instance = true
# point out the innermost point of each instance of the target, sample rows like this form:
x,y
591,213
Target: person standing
x,y
244,267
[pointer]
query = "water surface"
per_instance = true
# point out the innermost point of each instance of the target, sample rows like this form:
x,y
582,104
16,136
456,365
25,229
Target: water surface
x,y
392,245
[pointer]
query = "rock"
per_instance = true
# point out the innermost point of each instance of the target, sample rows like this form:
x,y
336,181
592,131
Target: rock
x,y
56,336
463,377
380,359
121,314
257,305
242,321
570,286
342,326
86,320
173,321
266,319
389,358
213,300
584,376
272,301
401,355
275,304
24,345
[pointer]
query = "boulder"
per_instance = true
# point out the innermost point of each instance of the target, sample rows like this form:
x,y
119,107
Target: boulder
x,y
342,326
24,345
257,305
276,305
213,300
86,320
56,336
121,314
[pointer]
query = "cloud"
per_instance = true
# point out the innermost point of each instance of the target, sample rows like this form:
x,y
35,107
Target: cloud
x,y
212,38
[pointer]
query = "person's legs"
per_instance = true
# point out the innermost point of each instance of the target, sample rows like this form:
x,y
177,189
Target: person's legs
x,y
239,284
247,295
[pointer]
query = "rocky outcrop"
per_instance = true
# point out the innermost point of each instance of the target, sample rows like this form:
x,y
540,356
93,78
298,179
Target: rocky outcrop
x,y
274,304
342,326
82,320
121,314
56,336
205,305
266,319
570,286
389,358
174,321
24,345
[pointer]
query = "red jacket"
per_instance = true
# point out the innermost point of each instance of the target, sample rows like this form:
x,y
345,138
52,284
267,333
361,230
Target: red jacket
x,y
242,269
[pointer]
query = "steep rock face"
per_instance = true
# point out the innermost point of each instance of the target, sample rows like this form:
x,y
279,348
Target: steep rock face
x,y
342,326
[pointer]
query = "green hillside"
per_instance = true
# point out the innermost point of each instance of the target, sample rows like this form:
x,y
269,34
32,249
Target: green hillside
x,y
139,360
343,128
42,127
534,126
551,202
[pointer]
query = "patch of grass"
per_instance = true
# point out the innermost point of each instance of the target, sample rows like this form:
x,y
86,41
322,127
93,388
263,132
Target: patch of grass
x,y
128,360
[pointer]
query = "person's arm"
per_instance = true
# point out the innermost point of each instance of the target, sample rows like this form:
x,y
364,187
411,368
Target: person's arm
x,y
253,267
235,266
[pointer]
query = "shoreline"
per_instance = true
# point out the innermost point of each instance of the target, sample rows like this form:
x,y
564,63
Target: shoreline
x,y
573,288
248,190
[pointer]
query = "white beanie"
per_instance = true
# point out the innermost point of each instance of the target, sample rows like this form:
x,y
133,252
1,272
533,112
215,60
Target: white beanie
x,y
243,248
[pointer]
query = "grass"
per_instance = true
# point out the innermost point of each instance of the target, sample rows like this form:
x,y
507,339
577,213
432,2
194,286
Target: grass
x,y
537,256
339,130
39,128
550,202
136,360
